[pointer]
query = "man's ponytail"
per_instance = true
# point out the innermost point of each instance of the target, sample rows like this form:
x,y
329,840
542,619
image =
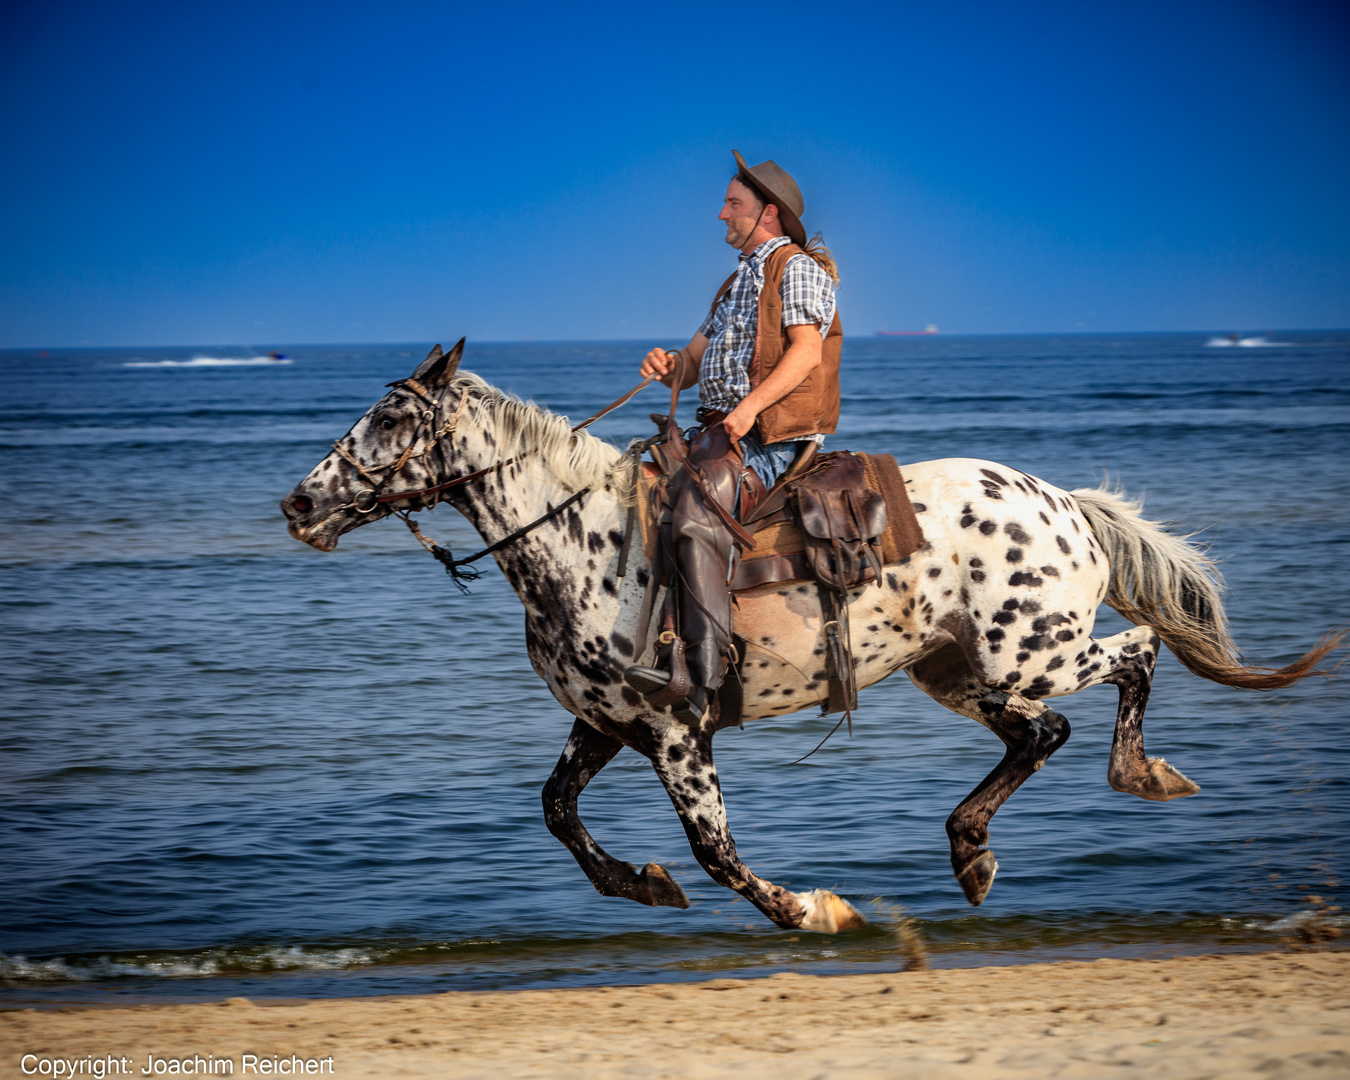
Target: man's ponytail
x,y
816,249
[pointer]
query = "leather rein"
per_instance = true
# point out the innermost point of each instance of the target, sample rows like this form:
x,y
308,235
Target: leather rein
x,y
367,499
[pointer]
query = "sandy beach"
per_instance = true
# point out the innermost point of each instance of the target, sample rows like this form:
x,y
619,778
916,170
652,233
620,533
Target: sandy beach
x,y
1269,1015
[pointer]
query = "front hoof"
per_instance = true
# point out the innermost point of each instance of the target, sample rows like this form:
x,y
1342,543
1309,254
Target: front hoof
x,y
978,876
1157,781
827,913
1165,782
663,889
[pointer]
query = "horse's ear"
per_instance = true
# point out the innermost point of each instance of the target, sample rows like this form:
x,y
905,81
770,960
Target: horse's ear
x,y
439,368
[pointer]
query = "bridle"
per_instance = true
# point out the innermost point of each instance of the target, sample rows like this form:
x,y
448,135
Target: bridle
x,y
367,499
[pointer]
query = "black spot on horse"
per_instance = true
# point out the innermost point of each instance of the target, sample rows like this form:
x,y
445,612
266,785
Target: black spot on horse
x,y
621,643
919,508
1064,635
977,575
1049,571
574,527
936,571
976,562
988,527
630,696
892,581
1036,642
968,520
1063,545
1040,686
1014,555
1023,657
1055,664
1005,618
1041,514
1016,533
994,477
1024,577
616,538
595,543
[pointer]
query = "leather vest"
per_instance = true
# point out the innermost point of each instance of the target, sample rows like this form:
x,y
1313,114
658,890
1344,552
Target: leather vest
x,y
813,407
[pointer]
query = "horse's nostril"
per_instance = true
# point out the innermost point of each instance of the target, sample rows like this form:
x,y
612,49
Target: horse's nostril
x,y
303,503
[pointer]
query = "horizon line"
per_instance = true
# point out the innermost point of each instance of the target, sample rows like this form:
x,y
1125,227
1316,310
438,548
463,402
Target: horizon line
x,y
617,340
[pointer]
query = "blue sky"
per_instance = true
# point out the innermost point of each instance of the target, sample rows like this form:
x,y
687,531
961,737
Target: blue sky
x,y
295,172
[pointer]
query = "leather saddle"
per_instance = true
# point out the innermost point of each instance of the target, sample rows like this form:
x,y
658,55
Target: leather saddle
x,y
833,518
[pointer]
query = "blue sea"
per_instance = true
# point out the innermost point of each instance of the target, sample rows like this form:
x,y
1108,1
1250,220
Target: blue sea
x,y
232,765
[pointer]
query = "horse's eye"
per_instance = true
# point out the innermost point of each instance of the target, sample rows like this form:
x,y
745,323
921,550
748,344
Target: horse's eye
x,y
388,424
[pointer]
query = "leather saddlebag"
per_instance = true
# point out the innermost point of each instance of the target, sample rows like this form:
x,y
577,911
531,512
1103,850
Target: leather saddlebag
x,y
842,522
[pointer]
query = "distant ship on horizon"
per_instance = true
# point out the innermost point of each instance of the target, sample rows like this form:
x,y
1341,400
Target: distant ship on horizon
x,y
931,328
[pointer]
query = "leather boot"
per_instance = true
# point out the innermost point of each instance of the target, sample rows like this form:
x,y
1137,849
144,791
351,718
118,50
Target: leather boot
x,y
703,547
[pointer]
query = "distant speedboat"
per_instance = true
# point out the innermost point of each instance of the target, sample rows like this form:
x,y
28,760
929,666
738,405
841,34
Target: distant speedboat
x,y
931,328
1237,341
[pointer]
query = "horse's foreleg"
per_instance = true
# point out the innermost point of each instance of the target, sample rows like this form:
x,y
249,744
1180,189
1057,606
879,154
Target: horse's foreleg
x,y
1030,731
1126,661
586,753
684,762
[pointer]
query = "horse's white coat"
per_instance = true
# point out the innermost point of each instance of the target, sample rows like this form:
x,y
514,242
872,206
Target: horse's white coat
x,y
992,616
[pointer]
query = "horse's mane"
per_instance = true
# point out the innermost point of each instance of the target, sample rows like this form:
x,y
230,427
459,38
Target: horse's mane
x,y
577,459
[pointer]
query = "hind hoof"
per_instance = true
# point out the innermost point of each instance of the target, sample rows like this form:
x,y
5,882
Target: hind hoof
x,y
978,876
827,913
664,890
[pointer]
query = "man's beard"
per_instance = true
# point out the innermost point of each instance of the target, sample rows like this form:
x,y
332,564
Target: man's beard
x,y
738,233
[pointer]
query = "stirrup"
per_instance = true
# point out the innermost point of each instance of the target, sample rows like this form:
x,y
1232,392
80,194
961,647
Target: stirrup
x,y
646,680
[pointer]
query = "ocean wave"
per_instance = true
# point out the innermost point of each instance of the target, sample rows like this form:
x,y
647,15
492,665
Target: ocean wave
x,y
210,361
1286,924
205,963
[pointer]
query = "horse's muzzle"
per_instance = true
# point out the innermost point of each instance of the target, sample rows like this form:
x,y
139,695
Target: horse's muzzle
x,y
308,525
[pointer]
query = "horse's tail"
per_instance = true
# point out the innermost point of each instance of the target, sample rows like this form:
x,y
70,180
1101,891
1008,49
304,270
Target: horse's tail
x,y
1168,583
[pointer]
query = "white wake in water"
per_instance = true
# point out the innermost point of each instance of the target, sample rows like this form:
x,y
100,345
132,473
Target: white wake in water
x,y
210,361
1235,342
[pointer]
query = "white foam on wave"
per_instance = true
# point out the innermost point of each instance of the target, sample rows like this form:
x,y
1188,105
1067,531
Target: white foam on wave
x,y
206,963
1289,922
1257,342
210,361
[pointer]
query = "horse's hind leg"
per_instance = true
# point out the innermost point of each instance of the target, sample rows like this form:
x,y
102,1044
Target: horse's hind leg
x,y
1126,661
586,753
683,760
1030,731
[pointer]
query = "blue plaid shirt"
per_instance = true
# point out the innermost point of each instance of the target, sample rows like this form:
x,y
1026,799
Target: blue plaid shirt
x,y
808,297
724,375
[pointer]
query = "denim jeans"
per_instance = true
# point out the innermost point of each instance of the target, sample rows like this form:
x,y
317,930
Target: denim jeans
x,y
769,462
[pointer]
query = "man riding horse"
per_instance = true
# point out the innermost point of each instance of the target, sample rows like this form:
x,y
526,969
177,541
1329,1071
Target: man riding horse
x,y
766,361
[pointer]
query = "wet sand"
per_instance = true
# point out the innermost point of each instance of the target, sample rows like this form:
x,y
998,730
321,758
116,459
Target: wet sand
x,y
1230,1017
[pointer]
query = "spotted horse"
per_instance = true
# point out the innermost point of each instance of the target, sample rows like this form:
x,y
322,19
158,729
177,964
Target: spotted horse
x,y
992,617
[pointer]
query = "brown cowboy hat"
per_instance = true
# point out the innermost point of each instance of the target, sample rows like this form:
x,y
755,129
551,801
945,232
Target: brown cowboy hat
x,y
777,187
